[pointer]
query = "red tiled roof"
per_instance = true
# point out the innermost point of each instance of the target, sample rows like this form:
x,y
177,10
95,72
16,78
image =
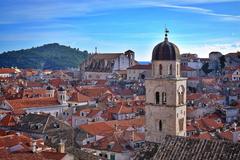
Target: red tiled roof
x,y
93,92
8,120
194,96
7,71
56,82
208,81
186,68
19,104
208,124
34,92
190,128
121,109
226,135
93,112
78,97
126,92
53,155
24,150
112,143
108,127
35,84
191,109
206,136
194,78
141,66
99,128
215,96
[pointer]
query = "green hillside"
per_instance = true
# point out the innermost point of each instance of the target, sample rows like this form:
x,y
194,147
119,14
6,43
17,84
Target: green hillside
x,y
48,56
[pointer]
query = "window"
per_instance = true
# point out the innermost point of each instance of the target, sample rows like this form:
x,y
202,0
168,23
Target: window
x,y
160,125
157,97
164,97
180,123
160,69
181,93
153,70
170,69
112,157
180,97
177,69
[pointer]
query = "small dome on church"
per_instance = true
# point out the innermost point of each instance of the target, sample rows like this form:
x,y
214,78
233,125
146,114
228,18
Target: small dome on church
x,y
61,89
165,51
49,88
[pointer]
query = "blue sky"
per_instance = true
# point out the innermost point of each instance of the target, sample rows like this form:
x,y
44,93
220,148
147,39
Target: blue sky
x,y
196,26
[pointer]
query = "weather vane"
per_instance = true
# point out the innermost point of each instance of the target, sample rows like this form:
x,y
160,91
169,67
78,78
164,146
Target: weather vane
x,y
166,32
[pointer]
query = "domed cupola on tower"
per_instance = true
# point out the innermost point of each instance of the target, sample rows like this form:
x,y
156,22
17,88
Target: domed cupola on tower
x,y
165,105
165,51
166,59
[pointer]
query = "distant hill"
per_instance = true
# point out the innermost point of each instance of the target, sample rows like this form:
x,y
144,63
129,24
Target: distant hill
x,y
144,62
48,56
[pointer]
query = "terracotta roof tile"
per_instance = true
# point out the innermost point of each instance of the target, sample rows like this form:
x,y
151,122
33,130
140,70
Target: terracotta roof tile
x,y
121,109
141,66
206,136
99,128
7,71
78,97
8,120
108,127
18,105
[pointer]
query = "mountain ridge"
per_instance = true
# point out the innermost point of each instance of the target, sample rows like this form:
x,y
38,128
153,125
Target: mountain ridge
x,y
47,56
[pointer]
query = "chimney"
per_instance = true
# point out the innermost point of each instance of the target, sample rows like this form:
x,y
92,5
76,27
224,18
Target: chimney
x,y
235,137
34,147
61,147
133,136
234,126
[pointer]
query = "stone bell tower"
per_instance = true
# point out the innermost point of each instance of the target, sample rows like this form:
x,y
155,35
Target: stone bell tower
x,y
165,94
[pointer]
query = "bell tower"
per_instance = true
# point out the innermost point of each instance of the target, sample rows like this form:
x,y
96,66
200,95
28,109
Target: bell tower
x,y
165,94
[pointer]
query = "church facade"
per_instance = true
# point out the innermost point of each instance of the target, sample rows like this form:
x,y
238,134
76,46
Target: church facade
x,y
165,94
100,66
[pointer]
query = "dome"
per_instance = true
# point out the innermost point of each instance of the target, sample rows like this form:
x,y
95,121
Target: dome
x,y
61,89
165,51
49,88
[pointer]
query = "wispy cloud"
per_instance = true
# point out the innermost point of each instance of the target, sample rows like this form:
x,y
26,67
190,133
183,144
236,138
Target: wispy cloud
x,y
204,49
198,10
42,9
202,1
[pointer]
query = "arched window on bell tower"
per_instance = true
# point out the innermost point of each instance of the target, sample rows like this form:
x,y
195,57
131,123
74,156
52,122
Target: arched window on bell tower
x,y
164,97
177,69
182,98
157,97
181,93
170,69
153,69
160,125
160,69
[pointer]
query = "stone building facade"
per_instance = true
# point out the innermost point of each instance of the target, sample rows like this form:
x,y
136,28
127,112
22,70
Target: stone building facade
x,y
103,65
165,94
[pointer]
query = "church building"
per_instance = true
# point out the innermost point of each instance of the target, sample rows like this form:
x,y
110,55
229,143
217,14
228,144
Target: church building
x,y
165,94
101,66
